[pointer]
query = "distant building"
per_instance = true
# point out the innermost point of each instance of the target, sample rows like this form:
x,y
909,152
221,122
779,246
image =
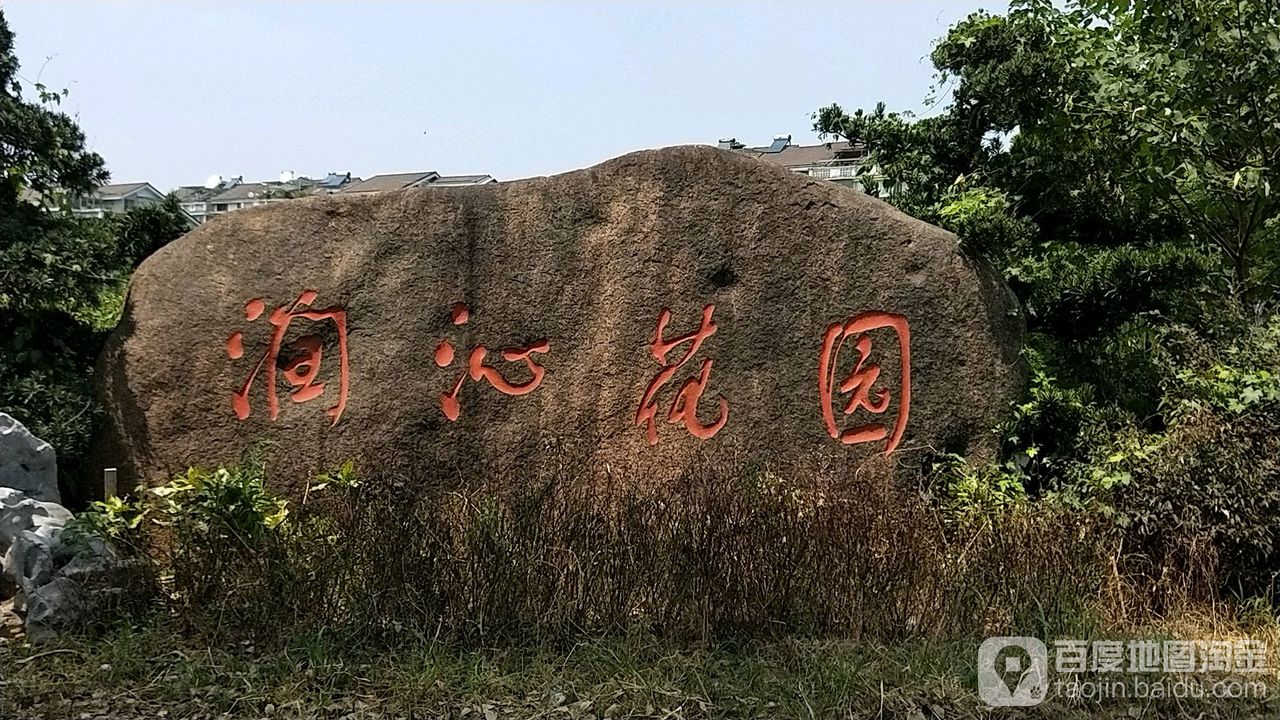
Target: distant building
x,y
841,162
116,198
245,195
460,180
334,182
219,196
195,198
401,181
237,195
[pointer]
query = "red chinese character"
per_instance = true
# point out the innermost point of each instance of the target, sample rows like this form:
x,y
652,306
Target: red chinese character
x,y
860,382
685,407
478,370
303,368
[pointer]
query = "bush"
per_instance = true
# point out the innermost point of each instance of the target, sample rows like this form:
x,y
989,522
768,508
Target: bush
x,y
1073,291
222,527
1215,472
61,292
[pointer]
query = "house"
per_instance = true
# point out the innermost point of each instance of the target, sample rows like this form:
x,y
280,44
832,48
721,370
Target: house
x,y
334,182
402,181
195,198
246,195
115,198
841,162
119,198
460,180
239,195
219,196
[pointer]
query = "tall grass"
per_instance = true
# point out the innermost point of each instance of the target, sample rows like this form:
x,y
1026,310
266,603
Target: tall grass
x,y
707,554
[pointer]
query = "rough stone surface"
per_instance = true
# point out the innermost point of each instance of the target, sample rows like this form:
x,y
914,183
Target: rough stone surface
x,y
57,603
27,463
43,604
77,588
586,261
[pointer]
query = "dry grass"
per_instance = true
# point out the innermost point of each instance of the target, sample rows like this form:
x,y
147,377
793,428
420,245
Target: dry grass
x,y
153,673
705,556
713,593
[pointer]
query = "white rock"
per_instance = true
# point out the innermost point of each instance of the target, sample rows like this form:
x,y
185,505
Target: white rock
x,y
75,589
53,604
19,514
29,562
10,497
27,463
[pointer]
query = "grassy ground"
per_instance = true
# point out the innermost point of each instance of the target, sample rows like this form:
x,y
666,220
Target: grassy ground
x,y
155,673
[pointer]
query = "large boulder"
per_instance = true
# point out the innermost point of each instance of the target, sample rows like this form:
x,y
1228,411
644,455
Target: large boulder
x,y
664,306
27,463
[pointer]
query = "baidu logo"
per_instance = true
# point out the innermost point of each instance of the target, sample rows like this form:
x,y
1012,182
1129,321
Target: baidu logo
x,y
1013,671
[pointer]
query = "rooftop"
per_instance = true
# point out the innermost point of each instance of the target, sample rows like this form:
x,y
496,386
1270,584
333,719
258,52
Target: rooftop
x,y
241,192
455,180
393,181
783,153
400,181
118,191
195,193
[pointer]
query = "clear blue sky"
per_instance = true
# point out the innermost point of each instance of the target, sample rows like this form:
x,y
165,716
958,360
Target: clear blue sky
x,y
174,92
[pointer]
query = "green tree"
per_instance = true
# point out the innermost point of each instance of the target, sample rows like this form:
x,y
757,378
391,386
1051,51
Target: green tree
x,y
60,276
1186,91
1115,160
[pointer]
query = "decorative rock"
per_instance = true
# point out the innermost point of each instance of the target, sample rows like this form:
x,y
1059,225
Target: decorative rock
x,y
27,463
59,602
660,309
19,514
93,574
29,561
53,583
91,565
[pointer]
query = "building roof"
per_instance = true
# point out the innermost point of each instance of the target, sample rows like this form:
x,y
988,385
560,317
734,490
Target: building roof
x,y
454,180
394,181
119,191
241,192
264,191
806,155
195,193
333,181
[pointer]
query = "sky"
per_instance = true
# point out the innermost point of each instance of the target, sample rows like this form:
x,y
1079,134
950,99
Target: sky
x,y
172,93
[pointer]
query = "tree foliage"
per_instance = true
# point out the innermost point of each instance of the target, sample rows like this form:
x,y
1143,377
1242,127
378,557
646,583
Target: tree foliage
x,y
1116,160
60,276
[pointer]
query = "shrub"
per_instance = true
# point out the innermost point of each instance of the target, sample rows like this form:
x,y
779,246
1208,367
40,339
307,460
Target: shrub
x,y
220,542
1215,472
114,520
